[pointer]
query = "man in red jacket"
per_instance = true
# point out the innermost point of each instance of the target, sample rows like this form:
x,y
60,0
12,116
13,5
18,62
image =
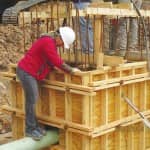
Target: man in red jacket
x,y
40,59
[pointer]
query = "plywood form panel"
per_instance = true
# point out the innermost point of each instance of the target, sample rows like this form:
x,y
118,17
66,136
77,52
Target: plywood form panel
x,y
129,138
19,96
83,108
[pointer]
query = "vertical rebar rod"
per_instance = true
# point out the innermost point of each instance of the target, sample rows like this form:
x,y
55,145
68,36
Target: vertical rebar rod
x,y
93,42
36,14
31,17
58,17
103,35
47,24
94,24
148,26
69,22
75,43
52,20
87,40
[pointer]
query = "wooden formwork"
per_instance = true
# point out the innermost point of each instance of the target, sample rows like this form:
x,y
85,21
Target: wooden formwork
x,y
88,107
133,137
57,147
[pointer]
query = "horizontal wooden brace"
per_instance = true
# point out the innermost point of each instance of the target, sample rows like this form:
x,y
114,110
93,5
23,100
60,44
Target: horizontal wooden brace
x,y
7,74
82,92
119,79
49,120
104,69
124,121
53,87
122,5
68,89
111,12
69,85
106,86
103,132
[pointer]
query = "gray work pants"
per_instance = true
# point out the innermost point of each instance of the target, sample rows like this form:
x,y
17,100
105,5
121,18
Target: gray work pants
x,y
121,42
31,93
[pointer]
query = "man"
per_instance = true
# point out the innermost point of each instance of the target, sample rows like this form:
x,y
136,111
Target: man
x,y
40,59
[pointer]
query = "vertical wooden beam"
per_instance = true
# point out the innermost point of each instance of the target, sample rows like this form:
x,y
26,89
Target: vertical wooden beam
x,y
38,105
68,105
98,44
19,105
86,110
104,139
118,117
68,141
52,99
13,102
62,137
142,100
130,112
146,130
86,143
136,101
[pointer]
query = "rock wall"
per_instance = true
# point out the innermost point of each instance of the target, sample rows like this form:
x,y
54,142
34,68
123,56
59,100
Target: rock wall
x,y
12,45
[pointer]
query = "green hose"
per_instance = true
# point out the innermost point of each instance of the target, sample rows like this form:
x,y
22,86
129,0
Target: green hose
x,y
28,143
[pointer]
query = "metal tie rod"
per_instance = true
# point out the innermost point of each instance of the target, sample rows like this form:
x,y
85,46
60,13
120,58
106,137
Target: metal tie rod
x,y
145,120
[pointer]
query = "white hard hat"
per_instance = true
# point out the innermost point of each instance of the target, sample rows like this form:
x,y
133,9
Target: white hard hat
x,y
67,35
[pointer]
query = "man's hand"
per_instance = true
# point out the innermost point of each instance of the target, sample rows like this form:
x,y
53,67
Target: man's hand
x,y
75,70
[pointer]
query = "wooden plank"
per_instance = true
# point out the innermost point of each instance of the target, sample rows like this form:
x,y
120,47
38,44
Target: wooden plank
x,y
13,99
98,34
69,85
86,143
101,4
142,99
95,83
86,110
51,119
121,122
68,140
113,60
99,60
82,93
8,74
111,12
118,115
5,138
105,129
57,147
105,115
126,66
118,84
123,5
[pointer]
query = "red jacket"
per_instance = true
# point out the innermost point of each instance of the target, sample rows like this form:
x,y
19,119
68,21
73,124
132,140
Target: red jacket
x,y
41,58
